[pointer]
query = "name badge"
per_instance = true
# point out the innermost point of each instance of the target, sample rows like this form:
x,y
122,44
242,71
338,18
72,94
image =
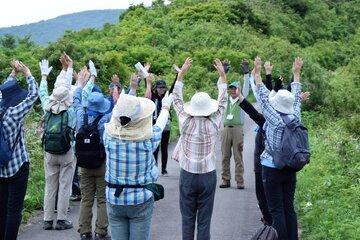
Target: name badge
x,y
229,117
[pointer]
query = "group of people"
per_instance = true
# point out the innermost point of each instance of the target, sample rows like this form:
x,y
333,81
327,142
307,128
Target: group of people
x,y
114,140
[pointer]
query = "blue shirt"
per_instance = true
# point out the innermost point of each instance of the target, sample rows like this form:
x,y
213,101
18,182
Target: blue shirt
x,y
274,125
13,123
131,163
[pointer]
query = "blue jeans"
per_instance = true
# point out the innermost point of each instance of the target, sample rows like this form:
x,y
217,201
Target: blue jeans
x,y
12,194
279,186
130,222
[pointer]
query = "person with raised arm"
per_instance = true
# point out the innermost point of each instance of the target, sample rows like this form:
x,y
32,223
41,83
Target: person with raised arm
x,y
279,185
15,104
200,121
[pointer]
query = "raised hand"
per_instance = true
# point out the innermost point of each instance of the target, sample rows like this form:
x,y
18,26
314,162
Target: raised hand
x,y
92,68
147,66
257,70
226,65
83,76
219,67
68,60
296,68
134,81
115,79
21,67
185,67
245,66
75,75
305,96
268,67
63,62
44,67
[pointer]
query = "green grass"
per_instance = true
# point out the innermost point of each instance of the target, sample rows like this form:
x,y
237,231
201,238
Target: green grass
x,y
328,191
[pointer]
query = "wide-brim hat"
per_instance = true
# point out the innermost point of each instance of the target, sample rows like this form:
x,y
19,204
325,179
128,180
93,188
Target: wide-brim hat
x,y
283,102
201,105
60,100
12,94
98,103
139,110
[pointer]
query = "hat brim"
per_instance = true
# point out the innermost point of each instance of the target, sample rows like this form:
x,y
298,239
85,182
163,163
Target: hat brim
x,y
280,108
206,111
147,108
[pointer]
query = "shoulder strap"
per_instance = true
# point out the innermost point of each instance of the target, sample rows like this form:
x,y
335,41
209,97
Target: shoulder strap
x,y
85,118
96,121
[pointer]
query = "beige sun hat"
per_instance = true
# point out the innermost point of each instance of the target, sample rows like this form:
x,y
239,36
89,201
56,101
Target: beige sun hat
x,y
139,110
283,101
60,100
201,105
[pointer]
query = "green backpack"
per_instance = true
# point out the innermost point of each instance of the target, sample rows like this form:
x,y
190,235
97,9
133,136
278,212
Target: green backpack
x,y
57,135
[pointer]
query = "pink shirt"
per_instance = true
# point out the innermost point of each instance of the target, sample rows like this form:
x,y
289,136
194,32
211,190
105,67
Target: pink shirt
x,y
196,145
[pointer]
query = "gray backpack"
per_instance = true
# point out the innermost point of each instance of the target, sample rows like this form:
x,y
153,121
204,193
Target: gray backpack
x,y
293,152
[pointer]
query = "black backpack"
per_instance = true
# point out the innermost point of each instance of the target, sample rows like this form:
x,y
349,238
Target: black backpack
x,y
265,233
294,152
89,150
6,150
57,135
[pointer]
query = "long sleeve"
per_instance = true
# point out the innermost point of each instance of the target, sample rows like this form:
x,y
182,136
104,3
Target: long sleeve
x,y
162,119
257,117
217,117
245,88
79,110
296,90
44,94
178,103
269,112
86,91
9,78
18,112
253,87
69,76
268,82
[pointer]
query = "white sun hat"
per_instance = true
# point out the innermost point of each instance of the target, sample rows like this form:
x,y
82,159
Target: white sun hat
x,y
283,101
201,105
139,110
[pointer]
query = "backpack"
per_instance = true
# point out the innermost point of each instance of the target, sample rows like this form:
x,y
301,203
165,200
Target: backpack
x,y
294,152
265,233
57,134
89,150
5,150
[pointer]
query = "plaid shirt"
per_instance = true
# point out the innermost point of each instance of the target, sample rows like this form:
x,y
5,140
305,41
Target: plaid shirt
x,y
274,125
13,123
195,148
131,163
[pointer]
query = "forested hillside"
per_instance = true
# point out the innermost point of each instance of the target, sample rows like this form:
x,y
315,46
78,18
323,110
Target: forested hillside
x,y
326,34
51,30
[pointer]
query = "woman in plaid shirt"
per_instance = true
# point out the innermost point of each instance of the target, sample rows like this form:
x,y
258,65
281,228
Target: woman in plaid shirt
x,y
200,122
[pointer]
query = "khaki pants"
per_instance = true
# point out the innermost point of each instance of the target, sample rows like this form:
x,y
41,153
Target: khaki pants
x,y
59,172
232,137
92,182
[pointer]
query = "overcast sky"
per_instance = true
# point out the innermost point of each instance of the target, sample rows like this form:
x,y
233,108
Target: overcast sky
x,y
17,12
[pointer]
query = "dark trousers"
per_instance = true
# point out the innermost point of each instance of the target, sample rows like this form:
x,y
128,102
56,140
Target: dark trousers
x,y
12,194
260,195
279,188
165,137
76,183
197,193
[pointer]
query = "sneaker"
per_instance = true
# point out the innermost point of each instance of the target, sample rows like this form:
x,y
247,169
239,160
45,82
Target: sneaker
x,y
63,225
225,184
164,173
86,236
240,186
102,237
48,225
75,198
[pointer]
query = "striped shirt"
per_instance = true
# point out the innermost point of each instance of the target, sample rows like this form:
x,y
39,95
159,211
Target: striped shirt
x,y
274,125
196,146
131,163
13,123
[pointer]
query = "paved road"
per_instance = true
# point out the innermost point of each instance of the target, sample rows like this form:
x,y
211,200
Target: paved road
x,y
236,215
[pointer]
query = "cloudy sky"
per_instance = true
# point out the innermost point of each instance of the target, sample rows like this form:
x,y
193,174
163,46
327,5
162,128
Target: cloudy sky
x,y
17,12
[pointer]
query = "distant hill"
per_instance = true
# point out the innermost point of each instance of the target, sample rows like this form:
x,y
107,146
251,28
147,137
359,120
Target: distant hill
x,y
50,30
